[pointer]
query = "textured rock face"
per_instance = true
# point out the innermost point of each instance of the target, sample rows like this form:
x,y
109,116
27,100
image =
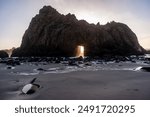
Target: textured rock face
x,y
53,34
3,54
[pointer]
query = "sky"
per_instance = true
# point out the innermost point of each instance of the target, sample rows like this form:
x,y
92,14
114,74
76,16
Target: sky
x,y
16,15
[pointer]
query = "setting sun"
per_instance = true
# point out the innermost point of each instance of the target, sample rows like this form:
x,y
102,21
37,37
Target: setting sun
x,y
80,51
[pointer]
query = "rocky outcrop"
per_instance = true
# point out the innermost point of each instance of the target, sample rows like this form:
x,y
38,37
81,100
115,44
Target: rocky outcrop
x,y
9,51
53,34
3,54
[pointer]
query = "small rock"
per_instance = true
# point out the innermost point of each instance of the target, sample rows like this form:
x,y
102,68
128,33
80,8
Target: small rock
x,y
72,63
9,67
41,69
30,88
88,64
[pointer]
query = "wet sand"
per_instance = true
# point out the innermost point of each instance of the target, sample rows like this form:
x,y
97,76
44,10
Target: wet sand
x,y
115,81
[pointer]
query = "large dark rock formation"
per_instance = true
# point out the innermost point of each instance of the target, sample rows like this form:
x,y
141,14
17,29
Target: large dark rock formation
x,y
3,54
53,34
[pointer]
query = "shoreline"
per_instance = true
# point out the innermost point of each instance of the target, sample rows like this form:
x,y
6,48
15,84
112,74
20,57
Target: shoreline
x,y
111,81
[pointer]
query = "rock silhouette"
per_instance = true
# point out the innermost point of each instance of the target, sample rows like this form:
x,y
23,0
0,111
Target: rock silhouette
x,y
3,54
53,34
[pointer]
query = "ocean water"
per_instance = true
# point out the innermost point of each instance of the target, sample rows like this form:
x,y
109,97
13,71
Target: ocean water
x,y
147,55
132,63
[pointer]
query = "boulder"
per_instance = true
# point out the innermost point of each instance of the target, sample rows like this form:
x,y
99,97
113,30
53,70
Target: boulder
x,y
30,88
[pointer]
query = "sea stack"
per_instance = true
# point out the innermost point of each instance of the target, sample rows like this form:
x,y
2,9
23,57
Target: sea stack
x,y
53,34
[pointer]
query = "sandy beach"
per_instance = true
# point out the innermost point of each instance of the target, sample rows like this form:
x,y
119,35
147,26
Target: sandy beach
x,y
107,81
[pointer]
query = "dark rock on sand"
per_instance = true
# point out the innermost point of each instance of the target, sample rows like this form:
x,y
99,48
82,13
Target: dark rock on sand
x,y
53,34
3,54
12,62
9,67
88,64
147,69
41,69
72,63
30,88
